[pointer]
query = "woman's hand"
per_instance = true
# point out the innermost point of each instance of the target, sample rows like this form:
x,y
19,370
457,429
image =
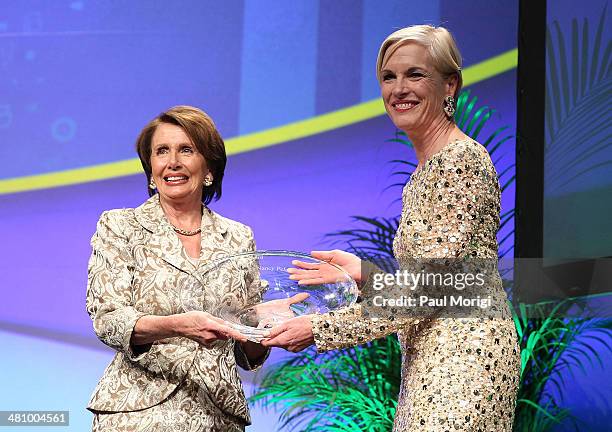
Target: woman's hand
x,y
320,273
205,329
293,335
275,311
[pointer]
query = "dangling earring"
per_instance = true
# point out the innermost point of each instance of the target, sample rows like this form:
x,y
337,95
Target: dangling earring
x,y
449,106
208,181
152,184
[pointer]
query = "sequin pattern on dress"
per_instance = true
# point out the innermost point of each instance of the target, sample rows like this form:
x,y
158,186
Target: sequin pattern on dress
x,y
457,373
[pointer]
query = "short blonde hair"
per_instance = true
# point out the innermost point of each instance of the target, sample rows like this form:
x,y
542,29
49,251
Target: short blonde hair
x,y
439,42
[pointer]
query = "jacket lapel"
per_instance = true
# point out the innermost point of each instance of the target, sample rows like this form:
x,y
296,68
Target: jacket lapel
x,y
214,231
163,241
166,244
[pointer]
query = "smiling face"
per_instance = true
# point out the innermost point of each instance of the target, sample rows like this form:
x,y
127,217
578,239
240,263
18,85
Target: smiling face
x,y
177,167
413,91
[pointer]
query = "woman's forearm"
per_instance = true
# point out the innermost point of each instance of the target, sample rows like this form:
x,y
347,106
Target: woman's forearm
x,y
151,328
196,325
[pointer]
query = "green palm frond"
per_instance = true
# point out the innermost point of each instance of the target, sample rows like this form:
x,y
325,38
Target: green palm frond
x,y
578,85
344,390
373,241
555,341
401,138
506,236
556,347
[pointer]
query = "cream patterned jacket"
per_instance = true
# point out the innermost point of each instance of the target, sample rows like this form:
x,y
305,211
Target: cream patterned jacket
x,y
136,268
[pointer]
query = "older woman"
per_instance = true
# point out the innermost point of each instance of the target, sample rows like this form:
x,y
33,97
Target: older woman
x,y
173,370
458,373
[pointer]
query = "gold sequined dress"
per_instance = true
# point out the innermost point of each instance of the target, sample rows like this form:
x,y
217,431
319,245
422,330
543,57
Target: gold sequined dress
x,y
458,373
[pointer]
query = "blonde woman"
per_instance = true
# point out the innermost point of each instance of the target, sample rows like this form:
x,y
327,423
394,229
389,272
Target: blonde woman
x,y
457,374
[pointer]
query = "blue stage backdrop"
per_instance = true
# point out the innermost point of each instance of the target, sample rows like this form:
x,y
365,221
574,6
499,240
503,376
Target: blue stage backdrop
x,y
290,85
578,156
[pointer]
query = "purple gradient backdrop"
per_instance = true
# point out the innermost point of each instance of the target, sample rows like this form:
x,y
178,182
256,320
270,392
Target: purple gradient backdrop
x,y
290,194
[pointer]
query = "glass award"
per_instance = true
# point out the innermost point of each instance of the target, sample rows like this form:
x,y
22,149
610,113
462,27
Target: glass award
x,y
280,298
